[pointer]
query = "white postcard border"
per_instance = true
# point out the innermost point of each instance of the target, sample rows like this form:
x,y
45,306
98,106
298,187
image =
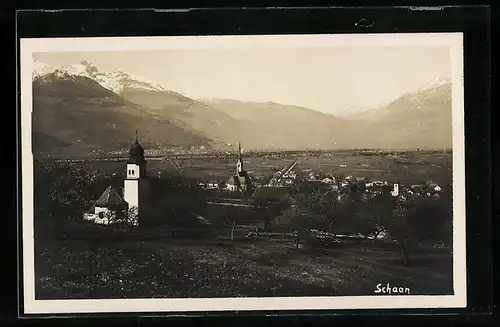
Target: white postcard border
x,y
453,40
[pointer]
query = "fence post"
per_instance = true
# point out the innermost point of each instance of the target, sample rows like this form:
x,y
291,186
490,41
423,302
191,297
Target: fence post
x,y
232,230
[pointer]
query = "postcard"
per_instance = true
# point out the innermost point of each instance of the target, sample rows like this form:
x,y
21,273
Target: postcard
x,y
242,173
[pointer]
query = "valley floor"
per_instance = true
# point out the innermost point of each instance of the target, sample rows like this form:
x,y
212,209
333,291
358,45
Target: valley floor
x,y
175,268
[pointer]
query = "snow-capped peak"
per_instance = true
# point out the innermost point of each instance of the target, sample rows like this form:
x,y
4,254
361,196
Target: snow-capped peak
x,y
115,81
40,68
436,83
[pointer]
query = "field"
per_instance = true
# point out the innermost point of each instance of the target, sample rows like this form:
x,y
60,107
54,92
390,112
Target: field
x,y
412,167
175,268
171,267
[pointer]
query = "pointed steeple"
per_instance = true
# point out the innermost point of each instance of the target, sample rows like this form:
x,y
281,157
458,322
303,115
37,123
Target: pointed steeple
x,y
136,136
239,163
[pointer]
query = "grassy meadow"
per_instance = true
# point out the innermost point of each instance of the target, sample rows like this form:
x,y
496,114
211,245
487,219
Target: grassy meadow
x,y
175,268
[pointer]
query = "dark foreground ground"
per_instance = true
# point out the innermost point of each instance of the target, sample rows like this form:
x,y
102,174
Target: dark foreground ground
x,y
175,268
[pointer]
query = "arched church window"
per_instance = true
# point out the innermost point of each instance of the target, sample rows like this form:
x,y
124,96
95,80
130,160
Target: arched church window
x,y
101,214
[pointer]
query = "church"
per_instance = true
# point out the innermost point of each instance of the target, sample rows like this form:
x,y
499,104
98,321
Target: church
x,y
240,181
132,207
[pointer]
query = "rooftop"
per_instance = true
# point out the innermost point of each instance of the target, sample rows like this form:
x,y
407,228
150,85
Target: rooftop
x,y
110,199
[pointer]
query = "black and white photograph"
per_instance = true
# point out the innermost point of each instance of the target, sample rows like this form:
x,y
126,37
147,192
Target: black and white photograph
x,y
263,172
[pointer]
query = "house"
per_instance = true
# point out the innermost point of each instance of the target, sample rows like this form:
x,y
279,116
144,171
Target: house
x,y
108,209
434,187
212,185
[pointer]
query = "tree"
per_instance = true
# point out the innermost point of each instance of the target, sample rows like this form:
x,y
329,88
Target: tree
x,y
63,191
349,210
333,210
306,214
356,190
399,229
412,220
132,216
380,208
173,199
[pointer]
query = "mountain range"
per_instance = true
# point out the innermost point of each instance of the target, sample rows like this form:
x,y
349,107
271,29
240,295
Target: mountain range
x,y
79,107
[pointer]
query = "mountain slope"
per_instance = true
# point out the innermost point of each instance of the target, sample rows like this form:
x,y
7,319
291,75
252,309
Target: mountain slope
x,y
284,126
415,120
264,125
81,113
81,107
184,112
180,111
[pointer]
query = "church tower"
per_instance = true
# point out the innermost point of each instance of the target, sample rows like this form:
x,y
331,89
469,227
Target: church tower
x,y
239,163
240,181
136,184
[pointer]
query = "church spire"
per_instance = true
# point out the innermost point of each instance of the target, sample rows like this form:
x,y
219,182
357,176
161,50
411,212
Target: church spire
x,y
239,163
137,136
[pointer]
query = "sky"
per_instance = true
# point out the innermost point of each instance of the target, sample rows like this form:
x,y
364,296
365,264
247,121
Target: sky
x,y
328,79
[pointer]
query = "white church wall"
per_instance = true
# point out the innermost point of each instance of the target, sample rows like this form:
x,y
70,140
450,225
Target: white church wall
x,y
133,171
131,192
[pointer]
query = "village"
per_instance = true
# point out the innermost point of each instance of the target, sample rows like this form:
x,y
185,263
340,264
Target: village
x,y
240,190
